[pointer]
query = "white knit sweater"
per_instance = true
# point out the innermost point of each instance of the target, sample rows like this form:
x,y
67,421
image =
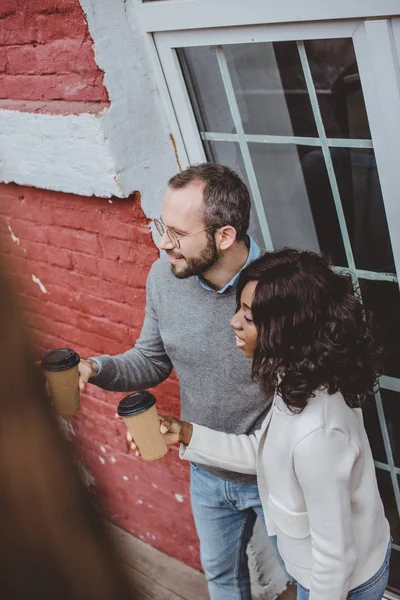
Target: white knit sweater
x,y
318,488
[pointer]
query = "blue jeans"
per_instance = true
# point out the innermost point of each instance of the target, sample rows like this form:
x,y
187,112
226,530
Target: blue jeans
x,y
373,589
224,514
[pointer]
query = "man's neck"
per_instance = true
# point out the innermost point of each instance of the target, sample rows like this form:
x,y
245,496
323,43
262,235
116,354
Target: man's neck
x,y
229,265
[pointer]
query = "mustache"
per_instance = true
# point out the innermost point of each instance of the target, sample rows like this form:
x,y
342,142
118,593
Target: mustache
x,y
173,255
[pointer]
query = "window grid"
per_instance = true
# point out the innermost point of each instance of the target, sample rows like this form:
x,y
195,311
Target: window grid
x,y
286,139
324,143
248,163
388,449
326,153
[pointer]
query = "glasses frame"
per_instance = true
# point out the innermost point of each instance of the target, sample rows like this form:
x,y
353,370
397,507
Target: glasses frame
x,y
175,238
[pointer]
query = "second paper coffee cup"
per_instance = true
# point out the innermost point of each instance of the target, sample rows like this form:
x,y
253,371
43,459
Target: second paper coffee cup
x,y
62,375
140,415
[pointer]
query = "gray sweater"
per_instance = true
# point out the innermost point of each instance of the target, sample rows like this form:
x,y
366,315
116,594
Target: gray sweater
x,y
186,327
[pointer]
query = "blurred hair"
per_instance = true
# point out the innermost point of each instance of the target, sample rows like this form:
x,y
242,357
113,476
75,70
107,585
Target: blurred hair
x,y
312,330
53,542
226,197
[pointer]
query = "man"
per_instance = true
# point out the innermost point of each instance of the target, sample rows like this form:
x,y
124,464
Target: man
x,y
190,300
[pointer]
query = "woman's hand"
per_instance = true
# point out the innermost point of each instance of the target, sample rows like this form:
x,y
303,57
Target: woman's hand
x,y
175,431
172,429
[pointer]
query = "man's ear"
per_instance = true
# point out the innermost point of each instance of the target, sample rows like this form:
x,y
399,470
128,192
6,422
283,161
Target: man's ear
x,y
225,237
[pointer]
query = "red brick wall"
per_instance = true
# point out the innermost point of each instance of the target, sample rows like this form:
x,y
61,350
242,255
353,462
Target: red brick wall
x,y
46,53
92,256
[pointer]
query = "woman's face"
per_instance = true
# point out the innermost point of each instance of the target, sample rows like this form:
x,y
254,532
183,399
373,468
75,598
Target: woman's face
x,y
242,322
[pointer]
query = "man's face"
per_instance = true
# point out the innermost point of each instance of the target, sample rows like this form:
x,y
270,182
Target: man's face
x,y
182,214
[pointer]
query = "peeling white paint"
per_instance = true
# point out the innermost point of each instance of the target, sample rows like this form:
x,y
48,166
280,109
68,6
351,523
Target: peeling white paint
x,y
135,126
179,497
113,459
110,201
103,449
136,477
125,478
102,154
155,486
14,238
153,537
81,164
101,459
150,506
139,501
39,283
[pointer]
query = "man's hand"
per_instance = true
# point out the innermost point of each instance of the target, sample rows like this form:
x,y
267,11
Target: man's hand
x,y
87,368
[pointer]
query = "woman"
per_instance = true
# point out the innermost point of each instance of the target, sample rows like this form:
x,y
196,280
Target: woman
x,y
308,336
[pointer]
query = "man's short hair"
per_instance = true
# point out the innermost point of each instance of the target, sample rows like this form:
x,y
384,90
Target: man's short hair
x,y
226,197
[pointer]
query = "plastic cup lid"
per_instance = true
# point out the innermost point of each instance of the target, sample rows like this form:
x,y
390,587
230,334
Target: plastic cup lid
x,y
135,403
60,360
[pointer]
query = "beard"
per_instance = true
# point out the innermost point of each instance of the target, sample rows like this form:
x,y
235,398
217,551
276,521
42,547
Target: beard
x,y
196,266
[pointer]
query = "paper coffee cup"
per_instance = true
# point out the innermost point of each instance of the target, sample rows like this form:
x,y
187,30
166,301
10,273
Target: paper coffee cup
x,y
62,375
140,415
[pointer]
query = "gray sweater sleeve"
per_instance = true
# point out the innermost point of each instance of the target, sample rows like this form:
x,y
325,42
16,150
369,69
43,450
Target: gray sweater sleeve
x,y
146,365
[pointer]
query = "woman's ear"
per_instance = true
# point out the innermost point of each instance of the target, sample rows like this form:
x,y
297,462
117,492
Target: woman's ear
x,y
226,237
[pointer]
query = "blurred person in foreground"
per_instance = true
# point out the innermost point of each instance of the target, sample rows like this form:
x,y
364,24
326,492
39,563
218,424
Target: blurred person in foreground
x,y
53,543
310,342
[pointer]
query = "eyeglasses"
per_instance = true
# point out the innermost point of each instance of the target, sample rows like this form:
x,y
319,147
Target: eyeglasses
x,y
174,238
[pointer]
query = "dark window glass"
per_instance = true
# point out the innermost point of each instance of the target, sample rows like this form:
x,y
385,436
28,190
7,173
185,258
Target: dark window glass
x,y
371,422
362,202
337,83
391,408
383,299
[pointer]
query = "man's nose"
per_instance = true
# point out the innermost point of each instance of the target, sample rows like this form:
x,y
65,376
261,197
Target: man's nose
x,y
165,243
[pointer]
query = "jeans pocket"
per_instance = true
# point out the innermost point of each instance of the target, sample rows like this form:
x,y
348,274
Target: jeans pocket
x,y
194,466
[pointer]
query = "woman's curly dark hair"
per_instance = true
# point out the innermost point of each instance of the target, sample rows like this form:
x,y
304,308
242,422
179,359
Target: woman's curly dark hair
x,y
312,330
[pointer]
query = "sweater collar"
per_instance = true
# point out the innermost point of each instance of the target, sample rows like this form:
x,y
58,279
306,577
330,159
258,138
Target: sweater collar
x,y
254,253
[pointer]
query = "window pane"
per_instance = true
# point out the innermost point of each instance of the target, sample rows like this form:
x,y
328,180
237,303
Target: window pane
x,y
270,89
391,408
361,196
383,299
297,198
206,89
394,577
336,79
229,154
371,422
387,494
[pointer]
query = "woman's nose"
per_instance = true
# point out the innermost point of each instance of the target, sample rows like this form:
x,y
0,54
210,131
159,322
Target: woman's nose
x,y
235,322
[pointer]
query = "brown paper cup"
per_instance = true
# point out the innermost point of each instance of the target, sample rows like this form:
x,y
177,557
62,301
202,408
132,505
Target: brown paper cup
x,y
145,430
61,368
64,390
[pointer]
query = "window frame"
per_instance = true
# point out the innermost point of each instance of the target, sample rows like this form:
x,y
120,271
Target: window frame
x,y
173,15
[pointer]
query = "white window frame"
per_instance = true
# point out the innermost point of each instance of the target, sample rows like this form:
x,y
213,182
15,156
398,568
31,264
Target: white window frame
x,y
173,15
